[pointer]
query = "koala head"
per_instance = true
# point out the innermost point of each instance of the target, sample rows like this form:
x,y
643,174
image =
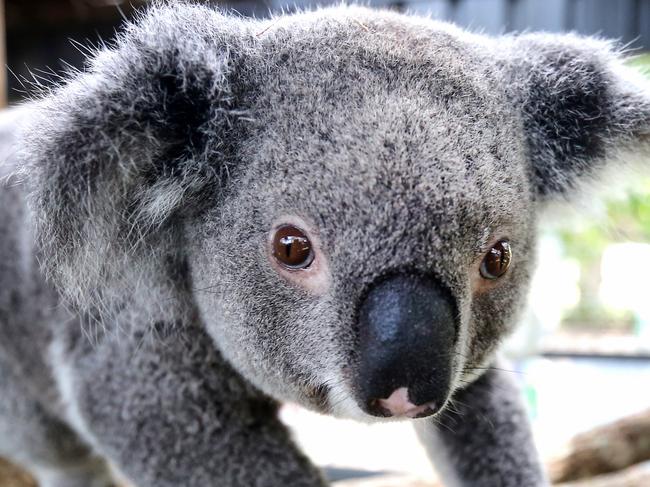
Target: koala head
x,y
346,199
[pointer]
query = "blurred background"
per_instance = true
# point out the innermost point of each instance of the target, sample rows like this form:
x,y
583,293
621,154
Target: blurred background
x,y
582,355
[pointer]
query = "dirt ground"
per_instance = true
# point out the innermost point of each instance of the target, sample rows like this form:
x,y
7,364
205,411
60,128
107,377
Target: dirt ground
x,y
11,476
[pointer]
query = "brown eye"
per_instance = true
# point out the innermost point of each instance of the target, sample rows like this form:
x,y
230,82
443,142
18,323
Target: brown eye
x,y
497,260
292,248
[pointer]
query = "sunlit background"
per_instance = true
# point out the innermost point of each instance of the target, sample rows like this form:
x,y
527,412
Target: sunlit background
x,y
582,354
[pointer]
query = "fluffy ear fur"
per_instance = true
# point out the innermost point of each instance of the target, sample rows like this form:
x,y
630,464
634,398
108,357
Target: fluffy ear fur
x,y
116,154
581,106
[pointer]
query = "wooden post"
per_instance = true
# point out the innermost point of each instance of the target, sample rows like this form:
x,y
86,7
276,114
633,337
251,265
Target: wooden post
x,y
3,57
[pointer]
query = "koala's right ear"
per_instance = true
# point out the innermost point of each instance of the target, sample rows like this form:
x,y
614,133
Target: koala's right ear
x,y
141,136
582,107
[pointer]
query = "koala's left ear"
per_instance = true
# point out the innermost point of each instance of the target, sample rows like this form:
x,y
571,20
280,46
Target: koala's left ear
x,y
582,107
143,135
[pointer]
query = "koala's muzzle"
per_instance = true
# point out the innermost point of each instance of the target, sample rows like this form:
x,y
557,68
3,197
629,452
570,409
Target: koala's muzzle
x,y
407,331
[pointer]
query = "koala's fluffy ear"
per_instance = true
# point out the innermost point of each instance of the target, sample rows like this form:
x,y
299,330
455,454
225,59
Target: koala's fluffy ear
x,y
119,151
582,107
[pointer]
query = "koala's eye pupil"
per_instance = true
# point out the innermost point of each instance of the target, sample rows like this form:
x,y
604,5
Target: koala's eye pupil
x,y
292,248
497,260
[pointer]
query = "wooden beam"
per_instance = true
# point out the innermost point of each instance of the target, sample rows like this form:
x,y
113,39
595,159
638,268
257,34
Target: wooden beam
x,y
3,57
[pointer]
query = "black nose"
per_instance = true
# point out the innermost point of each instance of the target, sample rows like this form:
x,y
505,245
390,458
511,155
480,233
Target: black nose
x,y
407,331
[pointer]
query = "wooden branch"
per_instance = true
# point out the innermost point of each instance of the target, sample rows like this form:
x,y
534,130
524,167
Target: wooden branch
x,y
12,476
635,476
605,449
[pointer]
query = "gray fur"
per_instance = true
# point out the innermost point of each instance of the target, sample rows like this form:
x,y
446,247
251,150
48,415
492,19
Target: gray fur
x,y
147,186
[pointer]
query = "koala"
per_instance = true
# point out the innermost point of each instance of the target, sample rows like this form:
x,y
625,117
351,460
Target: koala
x,y
335,208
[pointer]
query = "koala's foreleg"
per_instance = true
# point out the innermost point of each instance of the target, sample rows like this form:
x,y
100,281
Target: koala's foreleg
x,y
484,438
168,412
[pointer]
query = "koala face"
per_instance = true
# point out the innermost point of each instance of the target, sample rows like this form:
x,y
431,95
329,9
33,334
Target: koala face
x,y
348,197
400,191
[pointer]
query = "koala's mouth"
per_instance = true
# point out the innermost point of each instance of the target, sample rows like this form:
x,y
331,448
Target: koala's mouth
x,y
319,397
342,404
398,405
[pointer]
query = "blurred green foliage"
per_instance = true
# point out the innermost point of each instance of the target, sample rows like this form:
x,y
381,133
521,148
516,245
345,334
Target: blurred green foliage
x,y
641,61
623,218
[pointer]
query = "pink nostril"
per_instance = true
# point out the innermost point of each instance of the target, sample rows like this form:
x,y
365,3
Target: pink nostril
x,y
398,404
